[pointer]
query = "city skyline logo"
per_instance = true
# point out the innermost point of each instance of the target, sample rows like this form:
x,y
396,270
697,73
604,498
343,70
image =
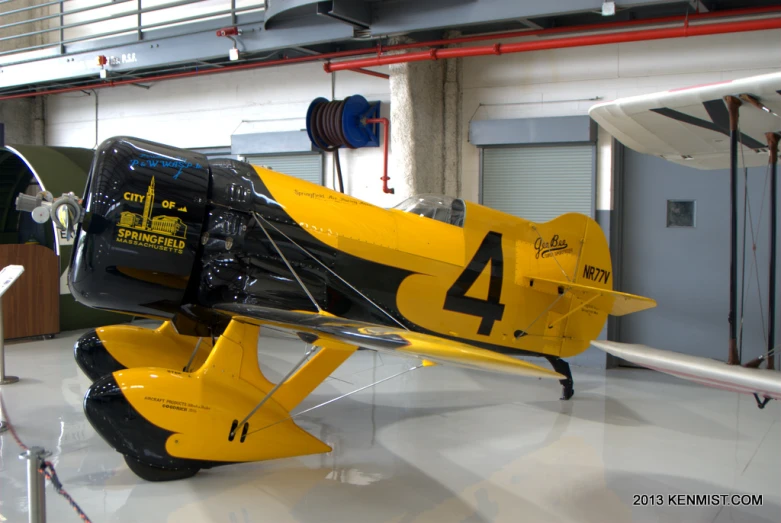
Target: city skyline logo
x,y
161,232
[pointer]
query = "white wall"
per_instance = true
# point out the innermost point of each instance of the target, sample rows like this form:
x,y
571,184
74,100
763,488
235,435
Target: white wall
x,y
537,81
205,111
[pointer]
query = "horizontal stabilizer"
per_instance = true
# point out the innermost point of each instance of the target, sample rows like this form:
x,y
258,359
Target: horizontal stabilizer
x,y
604,300
326,331
705,371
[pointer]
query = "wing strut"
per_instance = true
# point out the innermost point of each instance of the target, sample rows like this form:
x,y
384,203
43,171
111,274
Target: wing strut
x,y
272,391
192,356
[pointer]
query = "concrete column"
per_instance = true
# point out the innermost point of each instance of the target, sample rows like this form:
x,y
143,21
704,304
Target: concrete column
x,y
23,120
451,128
425,121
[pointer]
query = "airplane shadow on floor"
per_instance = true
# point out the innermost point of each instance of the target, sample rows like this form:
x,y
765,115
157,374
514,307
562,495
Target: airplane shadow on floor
x,y
353,481
564,478
364,480
610,411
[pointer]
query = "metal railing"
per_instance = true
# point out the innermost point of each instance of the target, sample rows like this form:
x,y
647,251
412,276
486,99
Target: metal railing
x,y
53,31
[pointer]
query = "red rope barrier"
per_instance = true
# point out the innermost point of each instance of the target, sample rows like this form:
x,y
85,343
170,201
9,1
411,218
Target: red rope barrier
x,y
47,469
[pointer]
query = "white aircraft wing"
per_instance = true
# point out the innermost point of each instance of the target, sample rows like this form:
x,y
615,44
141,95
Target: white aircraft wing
x,y
690,126
763,382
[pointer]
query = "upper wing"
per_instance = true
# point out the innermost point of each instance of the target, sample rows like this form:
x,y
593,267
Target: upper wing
x,y
690,126
701,370
605,300
324,329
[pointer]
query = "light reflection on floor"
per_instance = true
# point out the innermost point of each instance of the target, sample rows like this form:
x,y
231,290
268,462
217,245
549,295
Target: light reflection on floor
x,y
436,444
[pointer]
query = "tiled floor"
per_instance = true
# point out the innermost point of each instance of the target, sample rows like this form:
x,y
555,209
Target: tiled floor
x,y
436,444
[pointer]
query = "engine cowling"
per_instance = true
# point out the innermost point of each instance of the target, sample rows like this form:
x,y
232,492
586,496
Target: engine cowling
x,y
135,249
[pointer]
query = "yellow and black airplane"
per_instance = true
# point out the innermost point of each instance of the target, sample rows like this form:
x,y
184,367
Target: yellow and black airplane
x,y
219,248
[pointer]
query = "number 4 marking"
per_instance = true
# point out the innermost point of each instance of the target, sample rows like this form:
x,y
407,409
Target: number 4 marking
x,y
490,309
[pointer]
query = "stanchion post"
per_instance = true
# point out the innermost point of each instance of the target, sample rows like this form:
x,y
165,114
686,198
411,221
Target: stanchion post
x,y
3,426
36,483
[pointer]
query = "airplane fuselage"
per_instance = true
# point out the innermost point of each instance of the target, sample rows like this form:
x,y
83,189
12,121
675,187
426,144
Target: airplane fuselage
x,y
173,235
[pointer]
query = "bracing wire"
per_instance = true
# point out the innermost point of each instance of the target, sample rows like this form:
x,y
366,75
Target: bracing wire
x,y
276,387
333,400
534,228
290,267
747,212
334,273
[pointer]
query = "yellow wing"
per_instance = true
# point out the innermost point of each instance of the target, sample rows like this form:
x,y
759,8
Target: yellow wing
x,y
330,331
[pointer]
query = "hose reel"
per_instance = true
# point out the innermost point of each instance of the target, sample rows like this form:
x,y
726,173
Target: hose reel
x,y
351,123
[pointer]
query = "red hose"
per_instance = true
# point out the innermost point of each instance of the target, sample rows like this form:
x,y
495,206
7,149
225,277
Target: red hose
x,y
385,123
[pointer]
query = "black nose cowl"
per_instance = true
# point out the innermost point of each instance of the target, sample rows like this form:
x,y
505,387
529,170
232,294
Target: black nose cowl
x,y
93,358
131,434
121,425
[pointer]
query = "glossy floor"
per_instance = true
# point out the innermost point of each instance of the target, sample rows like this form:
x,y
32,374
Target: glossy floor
x,y
436,444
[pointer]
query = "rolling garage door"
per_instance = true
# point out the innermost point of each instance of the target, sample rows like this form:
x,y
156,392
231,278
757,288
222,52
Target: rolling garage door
x,y
307,167
539,183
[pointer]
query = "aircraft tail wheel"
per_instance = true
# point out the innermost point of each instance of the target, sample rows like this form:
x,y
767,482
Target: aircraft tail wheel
x,y
152,473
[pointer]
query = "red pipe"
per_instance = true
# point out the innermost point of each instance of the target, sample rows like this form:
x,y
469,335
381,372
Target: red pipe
x,y
560,43
372,73
385,123
380,49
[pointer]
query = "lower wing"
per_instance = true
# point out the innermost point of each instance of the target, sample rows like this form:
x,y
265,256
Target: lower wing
x,y
324,330
713,373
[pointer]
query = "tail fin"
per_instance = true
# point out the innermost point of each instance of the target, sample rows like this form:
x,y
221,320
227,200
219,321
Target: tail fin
x,y
571,259
570,248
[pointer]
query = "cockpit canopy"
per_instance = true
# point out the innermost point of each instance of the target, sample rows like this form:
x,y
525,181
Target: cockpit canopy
x,y
441,208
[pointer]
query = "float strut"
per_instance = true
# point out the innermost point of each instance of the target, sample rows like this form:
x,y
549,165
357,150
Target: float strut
x,y
272,391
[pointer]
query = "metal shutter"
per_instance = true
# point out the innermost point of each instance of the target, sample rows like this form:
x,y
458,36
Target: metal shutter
x,y
539,183
307,167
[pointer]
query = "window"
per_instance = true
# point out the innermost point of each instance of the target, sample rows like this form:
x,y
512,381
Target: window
x,y
441,208
680,213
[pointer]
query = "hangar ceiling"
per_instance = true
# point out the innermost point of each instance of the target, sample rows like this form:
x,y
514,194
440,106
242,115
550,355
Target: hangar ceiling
x,y
59,44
